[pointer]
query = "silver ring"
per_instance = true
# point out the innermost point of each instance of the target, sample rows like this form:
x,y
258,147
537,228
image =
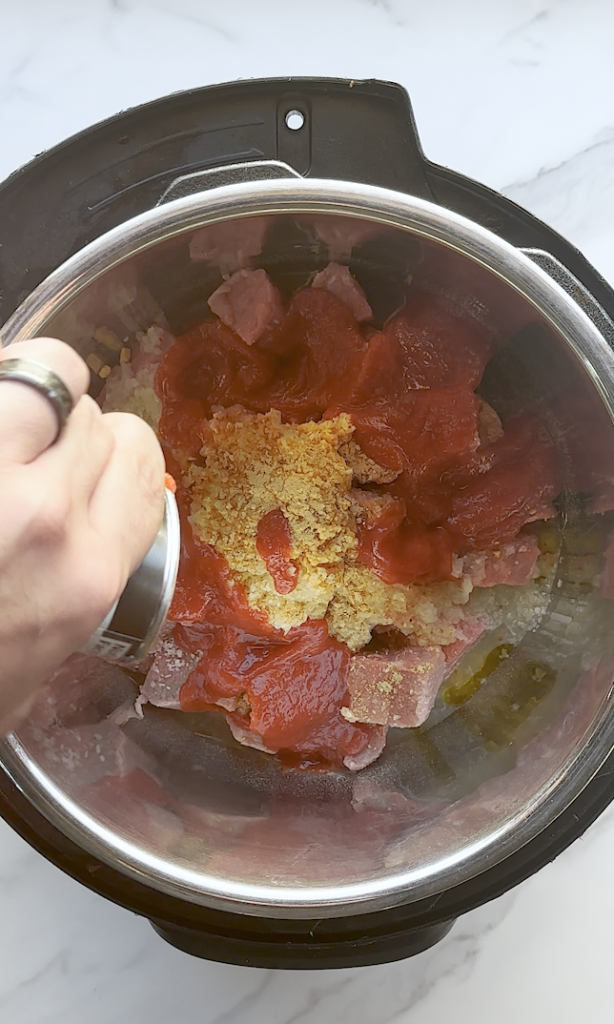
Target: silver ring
x,y
43,379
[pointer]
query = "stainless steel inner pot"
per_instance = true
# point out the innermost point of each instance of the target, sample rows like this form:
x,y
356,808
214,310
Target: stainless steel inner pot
x,y
225,826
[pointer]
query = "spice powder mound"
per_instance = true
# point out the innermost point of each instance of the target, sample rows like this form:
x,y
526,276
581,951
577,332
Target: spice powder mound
x,y
252,464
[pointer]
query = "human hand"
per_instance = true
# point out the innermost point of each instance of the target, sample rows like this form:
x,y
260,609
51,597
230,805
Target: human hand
x,y
76,519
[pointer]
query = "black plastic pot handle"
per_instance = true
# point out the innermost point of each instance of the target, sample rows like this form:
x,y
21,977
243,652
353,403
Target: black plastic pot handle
x,y
352,130
65,198
324,128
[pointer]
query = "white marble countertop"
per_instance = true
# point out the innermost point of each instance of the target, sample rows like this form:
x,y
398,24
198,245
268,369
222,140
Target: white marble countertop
x,y
518,94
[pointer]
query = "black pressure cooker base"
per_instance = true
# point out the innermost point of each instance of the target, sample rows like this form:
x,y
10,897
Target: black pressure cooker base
x,y
356,941
360,131
360,946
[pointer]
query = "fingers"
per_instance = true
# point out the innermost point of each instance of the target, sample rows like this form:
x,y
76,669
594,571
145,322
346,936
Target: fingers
x,y
76,463
28,423
127,506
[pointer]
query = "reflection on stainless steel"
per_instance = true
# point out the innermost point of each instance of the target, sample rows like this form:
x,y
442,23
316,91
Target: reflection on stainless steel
x,y
170,797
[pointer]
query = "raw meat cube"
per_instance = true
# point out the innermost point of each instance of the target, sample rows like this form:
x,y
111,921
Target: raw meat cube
x,y
471,631
373,749
513,564
169,671
248,303
395,689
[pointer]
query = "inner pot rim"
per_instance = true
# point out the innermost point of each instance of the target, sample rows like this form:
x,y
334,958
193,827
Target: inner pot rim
x,y
417,217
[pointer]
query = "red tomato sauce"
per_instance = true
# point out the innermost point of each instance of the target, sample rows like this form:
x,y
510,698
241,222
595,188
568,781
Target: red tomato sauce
x,y
409,392
274,545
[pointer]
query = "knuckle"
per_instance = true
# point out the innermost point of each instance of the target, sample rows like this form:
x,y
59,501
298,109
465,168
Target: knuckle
x,y
63,359
102,440
132,429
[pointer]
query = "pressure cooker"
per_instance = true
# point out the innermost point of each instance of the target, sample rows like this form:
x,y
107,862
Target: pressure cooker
x,y
273,867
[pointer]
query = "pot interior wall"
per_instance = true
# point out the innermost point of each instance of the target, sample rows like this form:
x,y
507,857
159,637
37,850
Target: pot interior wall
x,y
177,788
